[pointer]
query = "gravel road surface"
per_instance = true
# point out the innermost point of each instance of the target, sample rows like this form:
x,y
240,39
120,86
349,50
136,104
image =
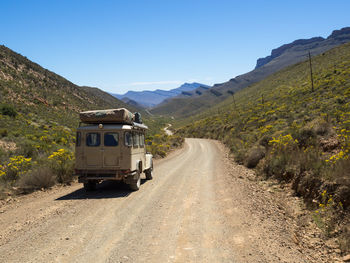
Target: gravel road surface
x,y
200,207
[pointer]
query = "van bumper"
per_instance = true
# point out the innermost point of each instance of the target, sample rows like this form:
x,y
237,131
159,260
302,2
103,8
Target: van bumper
x,y
101,175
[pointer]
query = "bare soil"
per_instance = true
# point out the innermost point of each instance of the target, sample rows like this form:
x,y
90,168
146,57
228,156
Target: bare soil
x,y
200,207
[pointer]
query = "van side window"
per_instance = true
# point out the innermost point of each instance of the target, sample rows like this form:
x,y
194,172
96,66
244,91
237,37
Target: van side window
x,y
93,139
142,140
135,137
128,138
111,139
78,139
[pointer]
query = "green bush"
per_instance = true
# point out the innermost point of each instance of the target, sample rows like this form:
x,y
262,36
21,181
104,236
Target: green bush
x,y
305,137
8,110
3,133
27,148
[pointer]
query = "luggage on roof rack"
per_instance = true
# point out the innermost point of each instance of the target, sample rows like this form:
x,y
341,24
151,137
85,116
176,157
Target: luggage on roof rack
x,y
121,115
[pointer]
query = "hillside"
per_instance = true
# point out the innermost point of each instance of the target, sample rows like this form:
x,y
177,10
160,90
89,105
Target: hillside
x,y
30,88
148,98
293,134
281,57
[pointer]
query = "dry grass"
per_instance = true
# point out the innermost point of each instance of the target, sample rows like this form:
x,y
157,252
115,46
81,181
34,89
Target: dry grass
x,y
41,177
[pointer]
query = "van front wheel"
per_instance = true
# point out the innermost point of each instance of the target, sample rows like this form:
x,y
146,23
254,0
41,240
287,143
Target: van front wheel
x,y
136,183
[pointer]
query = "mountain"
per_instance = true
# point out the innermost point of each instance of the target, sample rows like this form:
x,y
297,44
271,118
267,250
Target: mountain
x,y
132,103
152,98
280,58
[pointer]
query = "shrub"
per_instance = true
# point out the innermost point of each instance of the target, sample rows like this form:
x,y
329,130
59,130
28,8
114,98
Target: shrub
x,y
264,141
282,159
27,148
342,170
254,156
17,166
344,239
3,132
41,177
62,164
240,155
325,215
305,137
162,143
8,110
322,128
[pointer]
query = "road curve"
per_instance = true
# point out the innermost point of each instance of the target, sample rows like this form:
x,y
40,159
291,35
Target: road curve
x,y
192,211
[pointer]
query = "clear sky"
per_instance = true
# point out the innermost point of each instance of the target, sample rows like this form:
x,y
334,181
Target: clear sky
x,y
136,45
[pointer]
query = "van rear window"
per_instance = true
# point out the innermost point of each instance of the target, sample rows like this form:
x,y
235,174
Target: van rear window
x,y
142,140
128,139
93,139
135,138
111,139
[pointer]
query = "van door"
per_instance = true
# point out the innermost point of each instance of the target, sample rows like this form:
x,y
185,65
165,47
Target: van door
x,y
111,152
93,150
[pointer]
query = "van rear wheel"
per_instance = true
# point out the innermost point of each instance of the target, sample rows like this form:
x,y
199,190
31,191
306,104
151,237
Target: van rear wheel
x,y
90,186
136,183
149,174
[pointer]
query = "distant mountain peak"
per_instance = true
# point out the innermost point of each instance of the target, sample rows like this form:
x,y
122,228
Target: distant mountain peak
x,y
340,34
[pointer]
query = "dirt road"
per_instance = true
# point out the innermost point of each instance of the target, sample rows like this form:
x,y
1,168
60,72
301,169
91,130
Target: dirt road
x,y
198,208
167,131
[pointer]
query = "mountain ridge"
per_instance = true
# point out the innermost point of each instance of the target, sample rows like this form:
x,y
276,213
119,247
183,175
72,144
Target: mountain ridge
x,y
341,34
149,98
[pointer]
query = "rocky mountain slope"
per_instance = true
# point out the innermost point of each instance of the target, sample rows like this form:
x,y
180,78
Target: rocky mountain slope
x,y
281,57
149,98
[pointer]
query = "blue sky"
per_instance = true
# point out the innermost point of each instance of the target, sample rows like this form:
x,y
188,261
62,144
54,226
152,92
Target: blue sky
x,y
136,45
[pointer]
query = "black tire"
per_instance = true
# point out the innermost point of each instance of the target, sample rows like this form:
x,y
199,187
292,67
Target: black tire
x,y
136,183
149,174
90,186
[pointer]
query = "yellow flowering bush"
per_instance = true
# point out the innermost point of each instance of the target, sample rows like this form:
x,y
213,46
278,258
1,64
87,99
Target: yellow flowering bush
x,y
61,156
283,142
17,166
2,171
324,215
343,154
61,163
160,144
